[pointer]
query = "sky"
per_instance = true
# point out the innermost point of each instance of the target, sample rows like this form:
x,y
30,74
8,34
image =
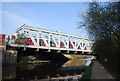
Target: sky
x,y
54,16
60,0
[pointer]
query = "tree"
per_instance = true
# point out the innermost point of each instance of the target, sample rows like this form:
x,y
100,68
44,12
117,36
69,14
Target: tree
x,y
20,39
102,22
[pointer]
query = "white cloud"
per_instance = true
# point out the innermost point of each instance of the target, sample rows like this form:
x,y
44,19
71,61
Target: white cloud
x,y
15,18
11,21
13,7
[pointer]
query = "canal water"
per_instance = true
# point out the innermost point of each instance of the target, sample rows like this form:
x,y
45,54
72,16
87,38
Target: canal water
x,y
29,72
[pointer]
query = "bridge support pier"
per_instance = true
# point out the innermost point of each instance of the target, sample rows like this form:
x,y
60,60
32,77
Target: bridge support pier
x,y
24,48
82,52
37,49
68,51
75,52
88,53
49,50
58,51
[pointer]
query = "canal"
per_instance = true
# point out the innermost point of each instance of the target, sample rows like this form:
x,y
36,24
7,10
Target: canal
x,y
29,72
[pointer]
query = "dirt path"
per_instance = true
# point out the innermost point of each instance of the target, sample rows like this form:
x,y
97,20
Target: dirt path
x,y
99,72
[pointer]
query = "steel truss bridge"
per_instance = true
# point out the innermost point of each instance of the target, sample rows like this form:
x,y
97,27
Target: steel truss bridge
x,y
79,44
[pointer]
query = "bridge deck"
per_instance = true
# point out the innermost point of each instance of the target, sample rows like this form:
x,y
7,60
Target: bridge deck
x,y
51,48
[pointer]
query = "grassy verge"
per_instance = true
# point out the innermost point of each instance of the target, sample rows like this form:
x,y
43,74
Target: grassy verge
x,y
87,73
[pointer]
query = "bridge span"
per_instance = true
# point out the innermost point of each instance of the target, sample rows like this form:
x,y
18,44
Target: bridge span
x,y
52,40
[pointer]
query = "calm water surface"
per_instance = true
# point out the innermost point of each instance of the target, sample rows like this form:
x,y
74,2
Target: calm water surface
x,y
42,71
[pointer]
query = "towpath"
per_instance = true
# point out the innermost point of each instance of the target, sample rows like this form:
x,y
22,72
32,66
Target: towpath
x,y
99,72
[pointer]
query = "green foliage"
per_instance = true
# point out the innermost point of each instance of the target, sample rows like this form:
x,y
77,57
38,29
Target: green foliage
x,y
20,39
102,21
87,73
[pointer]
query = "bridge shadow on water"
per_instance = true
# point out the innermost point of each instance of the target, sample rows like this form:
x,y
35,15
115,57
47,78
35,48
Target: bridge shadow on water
x,y
32,54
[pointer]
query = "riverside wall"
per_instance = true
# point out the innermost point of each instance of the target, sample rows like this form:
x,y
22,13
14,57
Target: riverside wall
x,y
8,56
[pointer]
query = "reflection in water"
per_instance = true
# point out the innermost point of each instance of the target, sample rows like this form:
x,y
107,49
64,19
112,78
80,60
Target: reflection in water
x,y
74,63
42,71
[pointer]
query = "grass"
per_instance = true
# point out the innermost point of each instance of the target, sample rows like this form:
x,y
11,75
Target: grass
x,y
87,73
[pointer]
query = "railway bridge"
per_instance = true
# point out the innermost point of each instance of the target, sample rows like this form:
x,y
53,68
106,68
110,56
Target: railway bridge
x,y
43,39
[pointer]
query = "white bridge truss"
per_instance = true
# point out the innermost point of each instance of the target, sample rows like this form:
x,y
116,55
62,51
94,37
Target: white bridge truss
x,y
78,43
